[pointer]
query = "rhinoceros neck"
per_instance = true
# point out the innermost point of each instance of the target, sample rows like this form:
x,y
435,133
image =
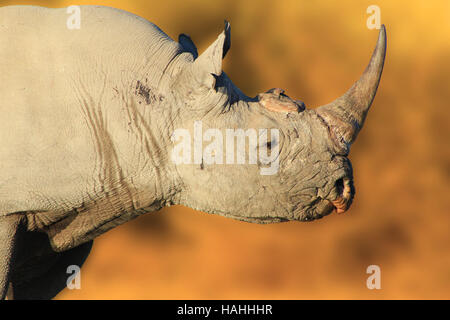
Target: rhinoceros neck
x,y
121,93
141,118
140,69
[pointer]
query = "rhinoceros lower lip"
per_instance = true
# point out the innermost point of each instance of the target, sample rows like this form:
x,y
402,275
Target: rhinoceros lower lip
x,y
340,205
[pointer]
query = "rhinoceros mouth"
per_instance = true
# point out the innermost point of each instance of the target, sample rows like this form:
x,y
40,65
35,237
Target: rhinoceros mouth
x,y
346,192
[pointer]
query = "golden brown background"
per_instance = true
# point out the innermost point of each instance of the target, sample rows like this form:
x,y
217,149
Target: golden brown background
x,y
400,217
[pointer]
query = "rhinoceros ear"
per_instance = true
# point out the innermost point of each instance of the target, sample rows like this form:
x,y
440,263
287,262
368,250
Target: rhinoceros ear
x,y
209,63
188,45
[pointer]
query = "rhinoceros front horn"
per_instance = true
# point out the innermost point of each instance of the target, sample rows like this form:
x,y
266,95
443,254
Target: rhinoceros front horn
x,y
345,116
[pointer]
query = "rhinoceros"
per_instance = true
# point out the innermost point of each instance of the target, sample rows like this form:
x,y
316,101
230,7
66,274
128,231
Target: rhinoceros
x,y
89,116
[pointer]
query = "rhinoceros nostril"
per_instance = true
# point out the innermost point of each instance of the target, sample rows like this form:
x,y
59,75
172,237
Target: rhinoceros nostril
x,y
339,184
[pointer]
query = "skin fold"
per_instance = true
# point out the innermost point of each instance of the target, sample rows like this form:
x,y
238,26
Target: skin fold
x,y
88,118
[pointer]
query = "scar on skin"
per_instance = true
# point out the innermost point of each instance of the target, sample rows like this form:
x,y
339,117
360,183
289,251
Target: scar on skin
x,y
144,91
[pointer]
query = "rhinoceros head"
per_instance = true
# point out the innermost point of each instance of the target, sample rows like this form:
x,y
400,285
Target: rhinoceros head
x,y
268,158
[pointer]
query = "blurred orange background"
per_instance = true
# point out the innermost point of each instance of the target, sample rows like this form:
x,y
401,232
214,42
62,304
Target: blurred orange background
x,y
400,217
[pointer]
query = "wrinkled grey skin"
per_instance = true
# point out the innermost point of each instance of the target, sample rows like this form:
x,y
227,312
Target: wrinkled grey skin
x,y
86,144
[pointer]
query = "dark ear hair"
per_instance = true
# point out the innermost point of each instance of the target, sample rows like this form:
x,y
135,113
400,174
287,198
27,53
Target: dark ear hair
x,y
209,63
227,43
188,45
